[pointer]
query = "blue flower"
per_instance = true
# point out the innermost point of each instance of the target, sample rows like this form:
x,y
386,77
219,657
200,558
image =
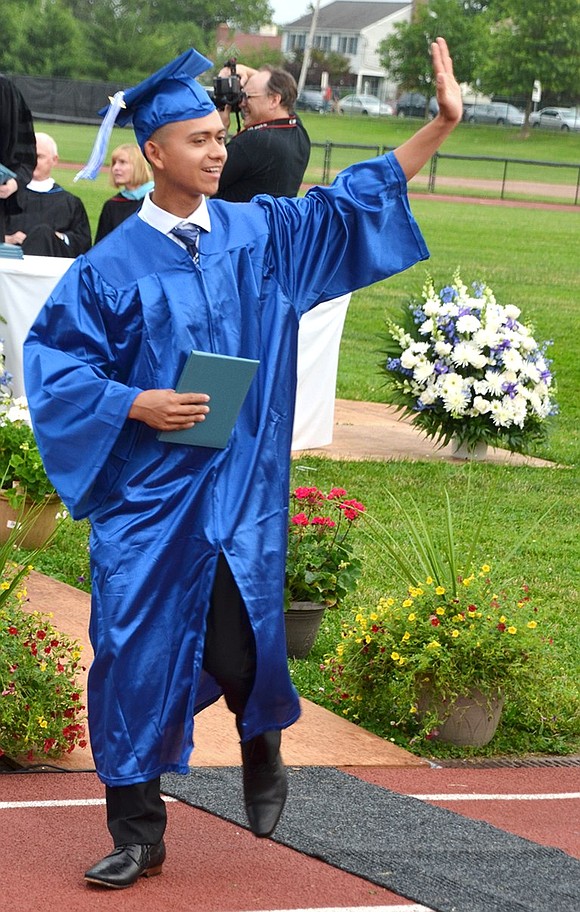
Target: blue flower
x,y
448,294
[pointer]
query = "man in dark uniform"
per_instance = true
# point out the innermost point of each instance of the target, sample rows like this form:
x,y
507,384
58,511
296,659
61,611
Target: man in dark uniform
x,y
53,222
17,147
271,153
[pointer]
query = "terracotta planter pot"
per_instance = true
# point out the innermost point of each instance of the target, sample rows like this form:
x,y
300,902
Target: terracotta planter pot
x,y
43,526
467,721
302,622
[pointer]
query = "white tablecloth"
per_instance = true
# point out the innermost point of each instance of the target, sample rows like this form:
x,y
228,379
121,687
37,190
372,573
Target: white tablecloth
x,y
26,284
24,287
319,338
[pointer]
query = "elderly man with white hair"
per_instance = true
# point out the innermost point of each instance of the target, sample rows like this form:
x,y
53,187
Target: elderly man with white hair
x,y
53,222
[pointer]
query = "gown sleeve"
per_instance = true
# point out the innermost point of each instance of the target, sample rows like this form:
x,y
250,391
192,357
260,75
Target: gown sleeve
x,y
336,239
79,399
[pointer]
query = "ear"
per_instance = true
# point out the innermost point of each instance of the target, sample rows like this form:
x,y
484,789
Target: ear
x,y
153,154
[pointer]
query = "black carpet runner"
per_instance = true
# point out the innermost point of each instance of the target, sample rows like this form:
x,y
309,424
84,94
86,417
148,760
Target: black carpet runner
x,y
427,854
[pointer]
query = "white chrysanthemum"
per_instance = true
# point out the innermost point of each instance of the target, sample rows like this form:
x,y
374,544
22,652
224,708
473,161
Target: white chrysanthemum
x,y
481,405
432,307
426,328
492,318
468,323
511,311
468,353
443,348
501,412
545,407
480,387
485,338
409,359
494,381
423,370
528,343
520,409
456,402
512,360
429,395
530,371
451,382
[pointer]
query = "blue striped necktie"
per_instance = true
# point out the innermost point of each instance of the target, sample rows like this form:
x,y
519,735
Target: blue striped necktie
x,y
189,234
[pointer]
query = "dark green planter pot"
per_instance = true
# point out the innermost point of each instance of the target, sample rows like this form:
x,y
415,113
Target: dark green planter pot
x,y
302,622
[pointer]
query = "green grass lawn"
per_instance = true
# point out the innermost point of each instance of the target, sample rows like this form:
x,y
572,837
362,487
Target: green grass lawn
x,y
75,142
529,257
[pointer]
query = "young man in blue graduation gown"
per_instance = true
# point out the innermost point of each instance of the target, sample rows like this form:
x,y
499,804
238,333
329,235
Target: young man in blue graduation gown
x,y
188,543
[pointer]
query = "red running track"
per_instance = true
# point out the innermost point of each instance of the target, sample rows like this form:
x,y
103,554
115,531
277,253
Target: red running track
x,y
215,866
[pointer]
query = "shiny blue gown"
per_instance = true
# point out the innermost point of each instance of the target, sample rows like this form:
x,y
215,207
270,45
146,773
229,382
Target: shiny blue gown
x,y
123,319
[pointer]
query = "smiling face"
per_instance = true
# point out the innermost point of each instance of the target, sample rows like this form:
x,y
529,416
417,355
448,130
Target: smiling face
x,y
187,159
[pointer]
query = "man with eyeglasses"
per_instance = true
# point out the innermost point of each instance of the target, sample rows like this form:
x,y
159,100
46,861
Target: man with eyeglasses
x,y
271,153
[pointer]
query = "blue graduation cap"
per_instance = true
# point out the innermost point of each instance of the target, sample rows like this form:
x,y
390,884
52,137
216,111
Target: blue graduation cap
x,y
171,94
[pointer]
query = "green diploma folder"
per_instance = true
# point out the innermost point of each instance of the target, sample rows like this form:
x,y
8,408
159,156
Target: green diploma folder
x,y
226,380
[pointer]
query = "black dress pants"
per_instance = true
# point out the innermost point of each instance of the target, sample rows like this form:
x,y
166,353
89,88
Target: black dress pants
x,y
136,813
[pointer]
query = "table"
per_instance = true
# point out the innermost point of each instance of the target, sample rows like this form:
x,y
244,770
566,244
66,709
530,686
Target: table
x,y
26,284
24,287
319,336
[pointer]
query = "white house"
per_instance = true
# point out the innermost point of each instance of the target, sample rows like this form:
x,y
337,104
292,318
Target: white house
x,y
353,28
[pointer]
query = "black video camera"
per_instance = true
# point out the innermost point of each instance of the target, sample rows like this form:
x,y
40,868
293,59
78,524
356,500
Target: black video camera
x,y
227,90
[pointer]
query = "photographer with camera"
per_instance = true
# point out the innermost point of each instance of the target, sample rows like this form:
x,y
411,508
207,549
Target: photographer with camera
x,y
270,156
271,152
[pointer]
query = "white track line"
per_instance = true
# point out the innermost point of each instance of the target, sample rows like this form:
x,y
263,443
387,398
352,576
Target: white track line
x,y
69,802
547,796
410,907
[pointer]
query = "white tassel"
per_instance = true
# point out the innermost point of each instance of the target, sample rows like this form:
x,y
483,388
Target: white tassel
x,y
97,156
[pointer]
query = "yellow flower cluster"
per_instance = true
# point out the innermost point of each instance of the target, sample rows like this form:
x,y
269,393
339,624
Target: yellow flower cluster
x,y
461,635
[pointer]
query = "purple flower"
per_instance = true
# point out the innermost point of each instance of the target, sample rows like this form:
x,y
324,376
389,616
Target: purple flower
x,y
511,389
441,368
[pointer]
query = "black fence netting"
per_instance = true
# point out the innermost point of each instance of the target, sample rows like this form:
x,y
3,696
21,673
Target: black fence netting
x,y
59,99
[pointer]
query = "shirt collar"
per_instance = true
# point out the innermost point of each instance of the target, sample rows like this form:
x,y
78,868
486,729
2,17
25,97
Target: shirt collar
x,y
43,186
165,222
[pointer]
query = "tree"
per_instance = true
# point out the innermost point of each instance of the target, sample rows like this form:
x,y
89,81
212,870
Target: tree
x,y
42,39
336,65
534,39
406,54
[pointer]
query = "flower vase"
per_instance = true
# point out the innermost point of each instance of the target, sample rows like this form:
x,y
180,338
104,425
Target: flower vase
x,y
39,531
302,621
478,452
469,720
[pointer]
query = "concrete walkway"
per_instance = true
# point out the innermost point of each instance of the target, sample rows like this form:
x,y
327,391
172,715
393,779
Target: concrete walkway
x,y
371,430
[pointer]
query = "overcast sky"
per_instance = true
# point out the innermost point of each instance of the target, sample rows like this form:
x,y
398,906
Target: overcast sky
x,y
289,10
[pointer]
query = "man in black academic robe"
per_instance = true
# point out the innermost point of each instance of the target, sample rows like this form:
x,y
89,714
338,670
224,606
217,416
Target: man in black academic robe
x,y
17,147
53,222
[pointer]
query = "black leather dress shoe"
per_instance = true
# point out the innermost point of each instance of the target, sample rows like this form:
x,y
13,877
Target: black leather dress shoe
x,y
127,864
265,782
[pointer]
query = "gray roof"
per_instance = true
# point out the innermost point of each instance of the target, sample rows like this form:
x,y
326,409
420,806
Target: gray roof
x,y
347,14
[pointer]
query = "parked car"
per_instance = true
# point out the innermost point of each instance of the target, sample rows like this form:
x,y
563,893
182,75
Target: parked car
x,y
414,104
310,101
556,119
495,112
364,104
